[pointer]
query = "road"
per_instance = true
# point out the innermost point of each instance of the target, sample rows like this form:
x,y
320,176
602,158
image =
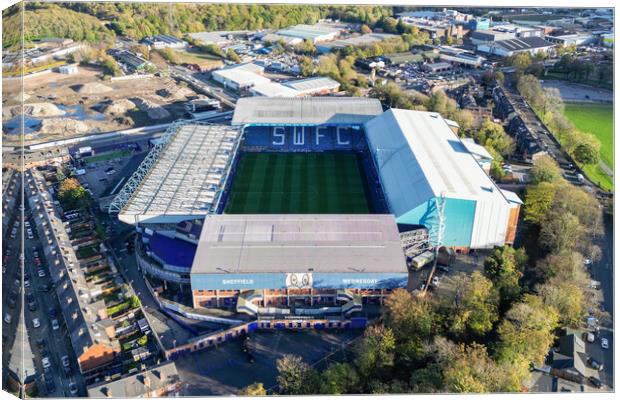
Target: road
x,y
203,85
57,342
602,271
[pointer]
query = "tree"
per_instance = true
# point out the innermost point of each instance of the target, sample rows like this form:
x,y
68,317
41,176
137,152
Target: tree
x,y
521,61
306,67
339,378
255,389
503,267
526,333
473,307
375,354
413,321
587,153
233,56
72,194
538,201
364,29
559,232
295,377
491,134
545,169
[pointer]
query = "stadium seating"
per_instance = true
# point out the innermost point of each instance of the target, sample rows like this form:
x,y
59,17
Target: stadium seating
x,y
176,252
306,138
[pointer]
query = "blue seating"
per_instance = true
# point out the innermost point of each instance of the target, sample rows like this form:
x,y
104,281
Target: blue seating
x,y
175,252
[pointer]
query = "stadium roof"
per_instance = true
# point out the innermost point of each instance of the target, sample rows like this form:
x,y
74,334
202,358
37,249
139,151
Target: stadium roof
x,y
182,177
238,244
311,85
419,158
305,110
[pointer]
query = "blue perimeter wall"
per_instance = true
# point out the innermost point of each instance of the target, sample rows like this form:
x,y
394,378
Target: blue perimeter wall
x,y
278,281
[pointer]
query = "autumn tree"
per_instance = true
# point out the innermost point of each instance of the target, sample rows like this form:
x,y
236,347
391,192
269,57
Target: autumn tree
x,y
295,377
545,169
504,268
72,194
255,389
375,353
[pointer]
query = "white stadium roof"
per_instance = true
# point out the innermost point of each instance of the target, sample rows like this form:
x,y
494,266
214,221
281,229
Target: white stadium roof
x,y
181,178
294,243
419,157
305,110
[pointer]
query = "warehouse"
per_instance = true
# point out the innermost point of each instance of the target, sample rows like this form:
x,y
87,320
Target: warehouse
x,y
314,33
240,77
423,164
314,86
273,89
507,48
356,41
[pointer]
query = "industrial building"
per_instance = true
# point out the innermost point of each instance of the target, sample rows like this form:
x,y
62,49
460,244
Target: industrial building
x,y
417,174
314,86
163,41
314,33
507,48
241,76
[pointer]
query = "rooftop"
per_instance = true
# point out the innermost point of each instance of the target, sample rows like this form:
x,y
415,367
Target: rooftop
x,y
305,110
419,154
362,40
274,89
293,243
526,43
138,385
313,84
180,178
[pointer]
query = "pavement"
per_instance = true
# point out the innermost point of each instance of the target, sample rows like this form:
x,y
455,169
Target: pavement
x,y
223,370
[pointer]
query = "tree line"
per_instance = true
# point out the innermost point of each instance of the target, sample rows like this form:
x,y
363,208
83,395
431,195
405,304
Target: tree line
x,y
583,147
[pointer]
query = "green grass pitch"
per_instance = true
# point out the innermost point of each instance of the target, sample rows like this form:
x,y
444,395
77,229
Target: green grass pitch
x,y
298,183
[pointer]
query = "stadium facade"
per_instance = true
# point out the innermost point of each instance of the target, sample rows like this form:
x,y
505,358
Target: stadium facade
x,y
227,213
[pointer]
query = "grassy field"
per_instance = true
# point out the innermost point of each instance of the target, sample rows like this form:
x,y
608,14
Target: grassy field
x,y
298,183
107,156
598,120
202,59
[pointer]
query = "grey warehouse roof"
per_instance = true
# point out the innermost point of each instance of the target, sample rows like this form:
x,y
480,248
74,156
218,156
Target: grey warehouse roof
x,y
306,110
526,43
294,243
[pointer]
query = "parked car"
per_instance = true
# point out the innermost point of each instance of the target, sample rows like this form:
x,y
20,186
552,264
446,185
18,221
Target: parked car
x,y
73,388
46,362
7,318
594,381
604,343
55,325
592,363
36,322
590,337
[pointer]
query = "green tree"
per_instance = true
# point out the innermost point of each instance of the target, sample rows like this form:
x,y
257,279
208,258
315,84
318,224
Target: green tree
x,y
473,307
233,56
306,67
503,267
560,231
364,29
375,354
545,169
72,194
413,321
339,378
538,201
295,377
526,333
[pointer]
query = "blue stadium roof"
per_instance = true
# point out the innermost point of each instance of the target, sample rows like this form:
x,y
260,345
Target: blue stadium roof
x,y
175,252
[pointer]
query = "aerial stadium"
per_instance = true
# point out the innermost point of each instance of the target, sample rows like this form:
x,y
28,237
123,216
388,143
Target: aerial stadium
x,y
307,205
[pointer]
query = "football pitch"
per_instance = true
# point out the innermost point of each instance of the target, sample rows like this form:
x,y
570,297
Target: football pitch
x,y
298,183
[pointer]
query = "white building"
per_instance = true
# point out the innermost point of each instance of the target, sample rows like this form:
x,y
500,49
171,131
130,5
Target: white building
x,y
241,76
507,48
